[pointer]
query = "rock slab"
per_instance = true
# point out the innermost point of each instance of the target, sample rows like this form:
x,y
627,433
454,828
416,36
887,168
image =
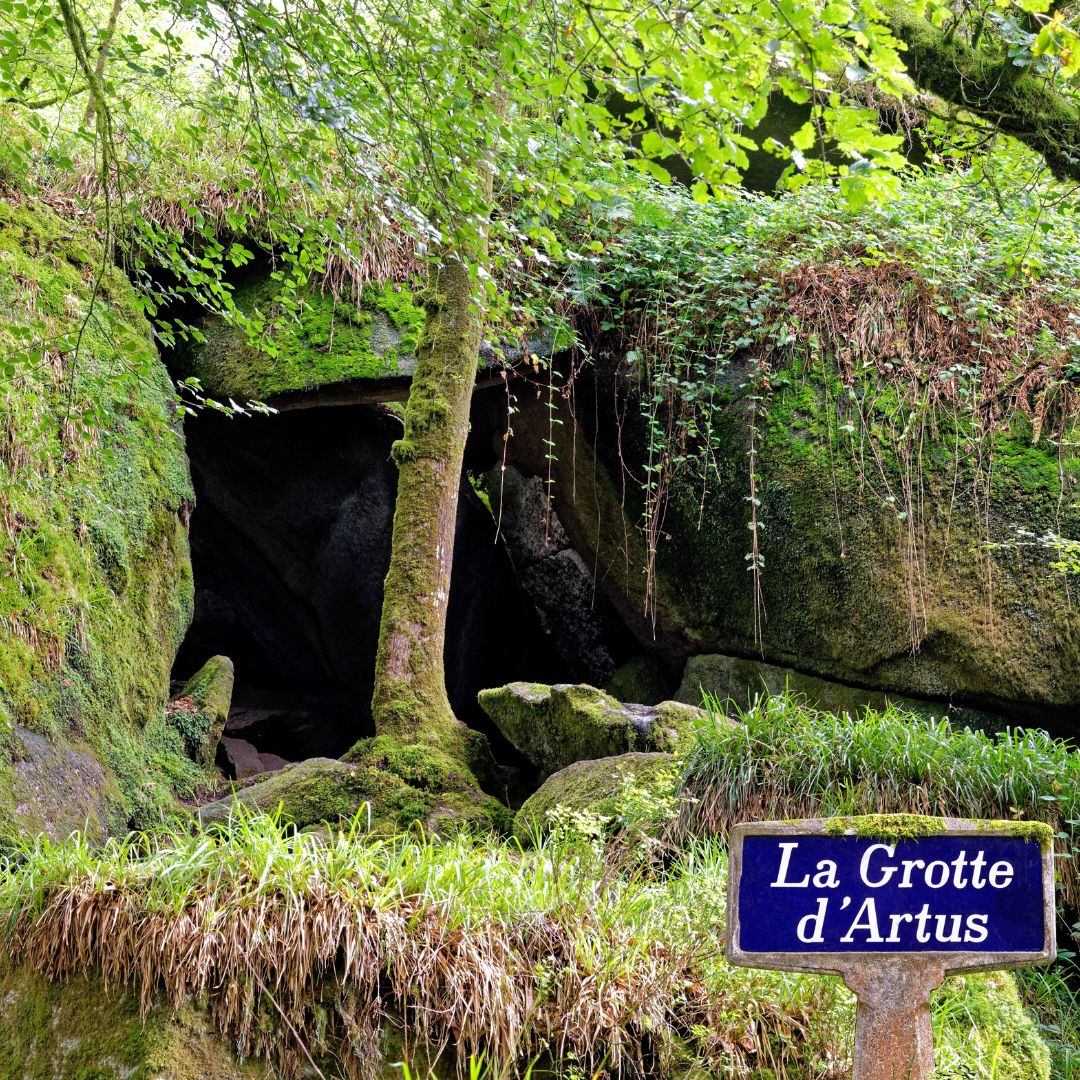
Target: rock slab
x,y
201,708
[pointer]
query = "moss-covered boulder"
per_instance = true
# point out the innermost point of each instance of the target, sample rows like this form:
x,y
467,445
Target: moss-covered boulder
x,y
355,347
324,341
395,785
927,595
94,503
554,726
81,1029
589,786
201,708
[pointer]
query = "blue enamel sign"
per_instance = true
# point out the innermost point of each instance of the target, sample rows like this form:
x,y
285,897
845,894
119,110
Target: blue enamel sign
x,y
962,892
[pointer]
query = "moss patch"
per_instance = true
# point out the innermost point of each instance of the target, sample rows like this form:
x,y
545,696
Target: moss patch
x,y
94,498
79,1030
913,826
326,341
641,679
1036,831
886,826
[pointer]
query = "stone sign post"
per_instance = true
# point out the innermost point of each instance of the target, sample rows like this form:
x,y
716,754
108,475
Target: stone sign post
x,y
892,905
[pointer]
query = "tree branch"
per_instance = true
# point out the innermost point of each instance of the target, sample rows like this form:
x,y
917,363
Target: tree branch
x,y
1026,107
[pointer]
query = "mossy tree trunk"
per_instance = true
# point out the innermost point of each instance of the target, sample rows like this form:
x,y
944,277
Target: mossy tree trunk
x,y
1018,103
410,700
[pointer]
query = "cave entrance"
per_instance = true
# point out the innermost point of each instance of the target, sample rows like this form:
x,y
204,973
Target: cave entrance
x,y
290,544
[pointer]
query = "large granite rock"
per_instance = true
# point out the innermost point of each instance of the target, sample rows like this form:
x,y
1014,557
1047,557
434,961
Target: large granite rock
x,y
331,341
847,597
329,350
554,726
59,787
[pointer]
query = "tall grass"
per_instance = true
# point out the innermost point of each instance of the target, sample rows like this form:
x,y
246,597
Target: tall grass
x,y
471,945
1056,1002
787,760
305,949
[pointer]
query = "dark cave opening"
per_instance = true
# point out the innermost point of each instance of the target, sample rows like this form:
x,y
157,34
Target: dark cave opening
x,y
290,543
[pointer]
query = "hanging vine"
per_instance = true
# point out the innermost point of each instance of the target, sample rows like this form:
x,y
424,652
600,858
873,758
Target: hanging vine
x,y
923,331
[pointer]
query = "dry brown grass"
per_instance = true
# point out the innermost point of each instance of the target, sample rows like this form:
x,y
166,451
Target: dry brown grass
x,y
886,320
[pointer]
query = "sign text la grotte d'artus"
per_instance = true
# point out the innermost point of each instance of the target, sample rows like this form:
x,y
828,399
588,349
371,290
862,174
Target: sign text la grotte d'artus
x,y
893,905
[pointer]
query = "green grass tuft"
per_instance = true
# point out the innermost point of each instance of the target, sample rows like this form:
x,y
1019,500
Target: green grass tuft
x,y
786,760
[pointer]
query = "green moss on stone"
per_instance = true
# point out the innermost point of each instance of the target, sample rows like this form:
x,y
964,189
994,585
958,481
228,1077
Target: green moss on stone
x,y
395,784
641,679
554,726
100,591
913,826
588,786
1036,831
886,826
835,531
80,1030
328,341
201,709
